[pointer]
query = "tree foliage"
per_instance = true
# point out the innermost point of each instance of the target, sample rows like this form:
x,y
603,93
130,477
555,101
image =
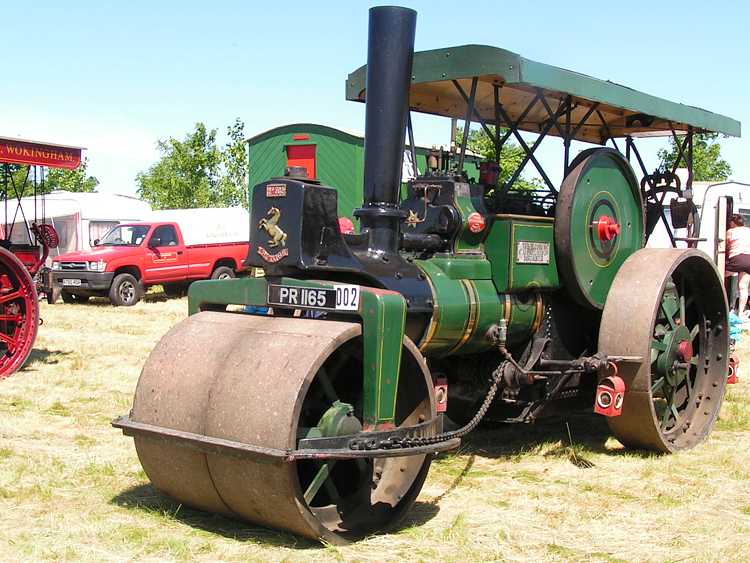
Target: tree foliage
x,y
708,166
195,172
77,180
22,177
511,156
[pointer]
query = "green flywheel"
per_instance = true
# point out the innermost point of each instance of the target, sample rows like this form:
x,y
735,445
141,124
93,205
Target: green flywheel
x,y
599,223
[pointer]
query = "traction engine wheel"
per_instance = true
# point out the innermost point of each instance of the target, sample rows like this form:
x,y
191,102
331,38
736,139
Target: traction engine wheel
x,y
19,313
668,307
269,381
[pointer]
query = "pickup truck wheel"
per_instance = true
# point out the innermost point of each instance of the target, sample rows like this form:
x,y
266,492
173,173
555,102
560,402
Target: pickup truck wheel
x,y
125,291
73,297
222,273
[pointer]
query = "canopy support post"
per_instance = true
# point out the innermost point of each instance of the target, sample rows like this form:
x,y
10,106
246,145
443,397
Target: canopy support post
x,y
413,150
690,160
608,131
498,146
467,120
530,151
581,123
566,138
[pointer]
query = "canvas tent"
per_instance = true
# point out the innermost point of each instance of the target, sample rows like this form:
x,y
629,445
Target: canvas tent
x,y
78,218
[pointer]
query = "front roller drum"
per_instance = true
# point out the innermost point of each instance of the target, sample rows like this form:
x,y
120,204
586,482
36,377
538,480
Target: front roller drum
x,y
667,306
269,381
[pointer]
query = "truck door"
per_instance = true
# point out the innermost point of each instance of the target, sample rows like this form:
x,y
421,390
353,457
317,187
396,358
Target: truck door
x,y
165,256
302,155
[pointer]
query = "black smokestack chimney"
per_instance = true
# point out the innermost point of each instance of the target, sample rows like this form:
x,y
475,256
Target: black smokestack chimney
x,y
390,50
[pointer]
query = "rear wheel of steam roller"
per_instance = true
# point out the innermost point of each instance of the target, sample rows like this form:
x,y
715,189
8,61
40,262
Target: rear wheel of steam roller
x,y
268,381
668,307
19,313
598,223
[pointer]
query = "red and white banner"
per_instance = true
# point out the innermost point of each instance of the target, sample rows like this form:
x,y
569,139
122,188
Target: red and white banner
x,y
32,154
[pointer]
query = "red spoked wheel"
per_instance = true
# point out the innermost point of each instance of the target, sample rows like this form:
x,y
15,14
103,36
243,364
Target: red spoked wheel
x,y
19,313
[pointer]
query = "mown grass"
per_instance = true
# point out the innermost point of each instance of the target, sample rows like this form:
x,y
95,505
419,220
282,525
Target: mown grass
x,y
71,487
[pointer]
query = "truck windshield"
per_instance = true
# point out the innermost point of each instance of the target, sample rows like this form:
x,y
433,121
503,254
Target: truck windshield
x,y
125,235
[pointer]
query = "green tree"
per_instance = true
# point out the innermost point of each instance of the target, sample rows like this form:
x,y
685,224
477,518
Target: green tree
x,y
234,166
186,175
511,155
77,180
195,172
708,166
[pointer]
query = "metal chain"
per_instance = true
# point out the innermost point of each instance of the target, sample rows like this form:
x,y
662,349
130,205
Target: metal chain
x,y
410,442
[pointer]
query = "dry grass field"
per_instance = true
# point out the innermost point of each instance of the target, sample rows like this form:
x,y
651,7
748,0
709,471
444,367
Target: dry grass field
x,y
71,487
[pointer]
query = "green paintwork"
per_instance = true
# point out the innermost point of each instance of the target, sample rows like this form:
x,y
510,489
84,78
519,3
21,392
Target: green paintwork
x,y
502,245
603,181
502,66
524,309
339,159
454,329
466,242
671,377
489,311
451,310
383,315
464,267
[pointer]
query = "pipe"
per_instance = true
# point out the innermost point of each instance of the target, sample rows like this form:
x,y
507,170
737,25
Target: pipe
x,y
390,50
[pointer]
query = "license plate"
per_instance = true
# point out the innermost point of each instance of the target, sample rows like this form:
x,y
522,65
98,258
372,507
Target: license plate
x,y
340,298
67,281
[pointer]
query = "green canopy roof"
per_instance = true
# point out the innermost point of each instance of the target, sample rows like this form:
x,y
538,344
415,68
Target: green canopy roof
x,y
619,111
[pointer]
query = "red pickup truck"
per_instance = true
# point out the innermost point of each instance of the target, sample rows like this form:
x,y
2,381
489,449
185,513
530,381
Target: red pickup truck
x,y
133,256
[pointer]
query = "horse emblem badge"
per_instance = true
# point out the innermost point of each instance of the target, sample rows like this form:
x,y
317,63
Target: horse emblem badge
x,y
270,224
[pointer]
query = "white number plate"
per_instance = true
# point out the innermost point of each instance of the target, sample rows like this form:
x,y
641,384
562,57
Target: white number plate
x,y
68,282
340,298
532,252
347,297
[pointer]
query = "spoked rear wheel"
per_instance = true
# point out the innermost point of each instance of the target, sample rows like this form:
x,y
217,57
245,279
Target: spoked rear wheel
x,y
19,313
667,306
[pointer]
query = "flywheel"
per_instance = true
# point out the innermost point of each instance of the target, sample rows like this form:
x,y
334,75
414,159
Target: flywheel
x,y
599,222
667,307
268,382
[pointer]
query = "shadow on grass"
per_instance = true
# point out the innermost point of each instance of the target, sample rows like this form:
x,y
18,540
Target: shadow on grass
x,y
146,498
588,434
46,356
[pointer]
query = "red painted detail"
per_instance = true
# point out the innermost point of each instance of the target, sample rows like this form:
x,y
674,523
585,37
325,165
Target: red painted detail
x,y
272,258
302,155
606,228
476,223
610,395
31,153
346,226
441,394
734,368
300,137
685,351
19,313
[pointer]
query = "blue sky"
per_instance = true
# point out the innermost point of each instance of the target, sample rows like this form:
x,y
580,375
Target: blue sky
x,y
117,76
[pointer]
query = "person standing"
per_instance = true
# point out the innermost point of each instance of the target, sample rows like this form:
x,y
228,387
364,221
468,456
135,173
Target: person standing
x,y
738,256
